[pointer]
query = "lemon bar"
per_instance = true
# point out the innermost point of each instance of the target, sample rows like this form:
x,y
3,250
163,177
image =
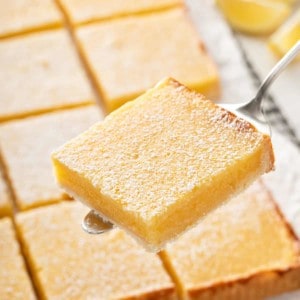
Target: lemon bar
x,y
67,263
14,279
5,204
82,11
243,250
26,146
18,17
160,163
130,55
41,72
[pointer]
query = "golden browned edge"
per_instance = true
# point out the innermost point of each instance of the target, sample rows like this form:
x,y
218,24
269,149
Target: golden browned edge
x,y
211,93
116,16
22,248
164,257
64,197
35,29
167,292
256,286
10,190
23,256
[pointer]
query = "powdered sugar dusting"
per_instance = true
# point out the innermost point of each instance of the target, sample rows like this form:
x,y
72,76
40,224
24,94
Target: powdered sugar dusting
x,y
285,181
5,204
246,236
26,146
14,280
163,147
107,266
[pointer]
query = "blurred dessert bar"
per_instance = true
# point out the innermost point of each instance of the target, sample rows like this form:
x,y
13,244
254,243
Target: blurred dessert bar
x,y
20,17
26,146
14,280
87,11
160,163
5,201
129,55
67,263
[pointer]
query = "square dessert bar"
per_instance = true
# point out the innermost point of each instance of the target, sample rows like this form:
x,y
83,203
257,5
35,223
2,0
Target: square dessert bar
x,y
41,72
243,250
86,11
26,146
160,163
19,17
129,55
14,280
5,201
67,263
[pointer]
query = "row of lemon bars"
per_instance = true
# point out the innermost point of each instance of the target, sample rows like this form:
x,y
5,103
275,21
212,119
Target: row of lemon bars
x,y
243,250
222,258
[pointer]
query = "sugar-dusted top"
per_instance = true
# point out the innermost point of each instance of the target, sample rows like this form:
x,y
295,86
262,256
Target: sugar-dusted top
x,y
45,75
18,16
14,280
71,264
5,204
130,55
245,236
153,151
26,147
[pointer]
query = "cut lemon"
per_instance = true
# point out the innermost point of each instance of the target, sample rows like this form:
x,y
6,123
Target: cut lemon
x,y
255,16
286,36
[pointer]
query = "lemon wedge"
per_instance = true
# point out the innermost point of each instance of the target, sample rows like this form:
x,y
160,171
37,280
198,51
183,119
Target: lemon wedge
x,y
255,16
286,36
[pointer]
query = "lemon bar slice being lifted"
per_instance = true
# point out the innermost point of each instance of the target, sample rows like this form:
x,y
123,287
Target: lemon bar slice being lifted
x,y
160,163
